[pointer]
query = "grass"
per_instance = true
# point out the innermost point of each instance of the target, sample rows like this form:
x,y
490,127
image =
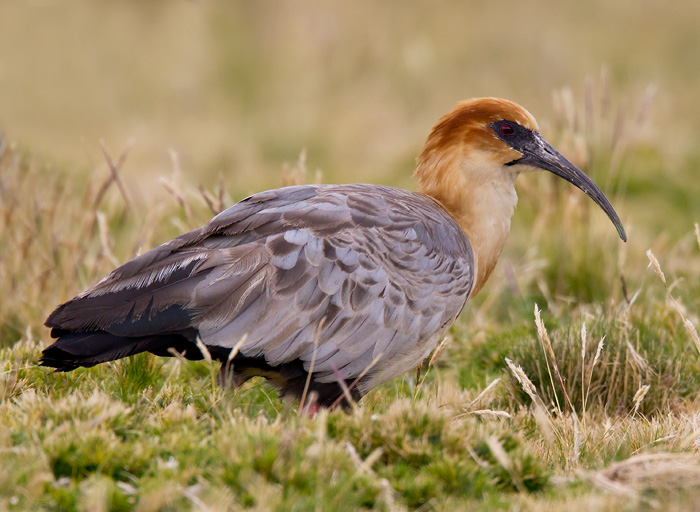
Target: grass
x,y
589,404
592,401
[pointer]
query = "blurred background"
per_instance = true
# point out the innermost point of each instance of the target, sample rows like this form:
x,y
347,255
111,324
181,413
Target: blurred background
x,y
239,91
239,88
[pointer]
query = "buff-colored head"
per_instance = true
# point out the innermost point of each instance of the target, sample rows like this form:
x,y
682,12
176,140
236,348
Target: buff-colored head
x,y
470,162
490,141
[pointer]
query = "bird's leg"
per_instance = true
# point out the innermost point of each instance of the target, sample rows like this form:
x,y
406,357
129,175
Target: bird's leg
x,y
311,405
227,378
312,410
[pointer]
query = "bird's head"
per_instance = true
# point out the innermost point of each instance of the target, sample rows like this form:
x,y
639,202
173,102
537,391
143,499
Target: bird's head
x,y
482,145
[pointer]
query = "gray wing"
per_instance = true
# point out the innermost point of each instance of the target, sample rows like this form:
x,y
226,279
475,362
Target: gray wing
x,y
348,273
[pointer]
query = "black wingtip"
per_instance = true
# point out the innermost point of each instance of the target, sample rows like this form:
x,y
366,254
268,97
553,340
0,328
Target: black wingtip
x,y
75,349
59,360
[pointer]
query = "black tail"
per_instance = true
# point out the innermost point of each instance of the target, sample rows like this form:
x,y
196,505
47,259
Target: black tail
x,y
74,349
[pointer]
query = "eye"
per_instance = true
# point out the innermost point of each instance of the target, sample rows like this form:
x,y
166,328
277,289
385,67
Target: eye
x,y
507,129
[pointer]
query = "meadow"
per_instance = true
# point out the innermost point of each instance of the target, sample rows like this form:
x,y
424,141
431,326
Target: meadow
x,y
570,381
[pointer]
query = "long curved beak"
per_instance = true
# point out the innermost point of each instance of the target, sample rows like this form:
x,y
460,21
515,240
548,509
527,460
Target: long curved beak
x,y
542,155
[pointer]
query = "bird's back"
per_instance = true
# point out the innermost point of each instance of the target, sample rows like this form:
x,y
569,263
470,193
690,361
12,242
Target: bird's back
x,y
330,279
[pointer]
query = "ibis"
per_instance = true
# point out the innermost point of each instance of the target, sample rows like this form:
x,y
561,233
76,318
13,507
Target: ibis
x,y
326,291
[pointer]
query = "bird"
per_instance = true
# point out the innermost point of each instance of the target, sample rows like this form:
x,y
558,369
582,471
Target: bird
x,y
326,291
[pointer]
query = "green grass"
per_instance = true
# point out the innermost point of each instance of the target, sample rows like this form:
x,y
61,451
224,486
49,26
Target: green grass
x,y
142,432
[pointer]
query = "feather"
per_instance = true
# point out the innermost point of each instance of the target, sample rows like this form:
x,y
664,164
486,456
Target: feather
x,y
368,261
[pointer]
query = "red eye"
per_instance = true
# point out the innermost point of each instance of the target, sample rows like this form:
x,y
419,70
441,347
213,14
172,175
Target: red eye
x,y
507,129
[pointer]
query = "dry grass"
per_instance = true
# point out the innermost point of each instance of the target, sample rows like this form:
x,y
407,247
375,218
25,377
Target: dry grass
x,y
588,402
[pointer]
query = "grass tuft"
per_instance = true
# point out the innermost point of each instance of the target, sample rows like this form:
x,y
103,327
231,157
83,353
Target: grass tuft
x,y
590,404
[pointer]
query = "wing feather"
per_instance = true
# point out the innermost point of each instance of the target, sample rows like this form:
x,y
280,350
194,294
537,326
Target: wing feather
x,y
336,274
